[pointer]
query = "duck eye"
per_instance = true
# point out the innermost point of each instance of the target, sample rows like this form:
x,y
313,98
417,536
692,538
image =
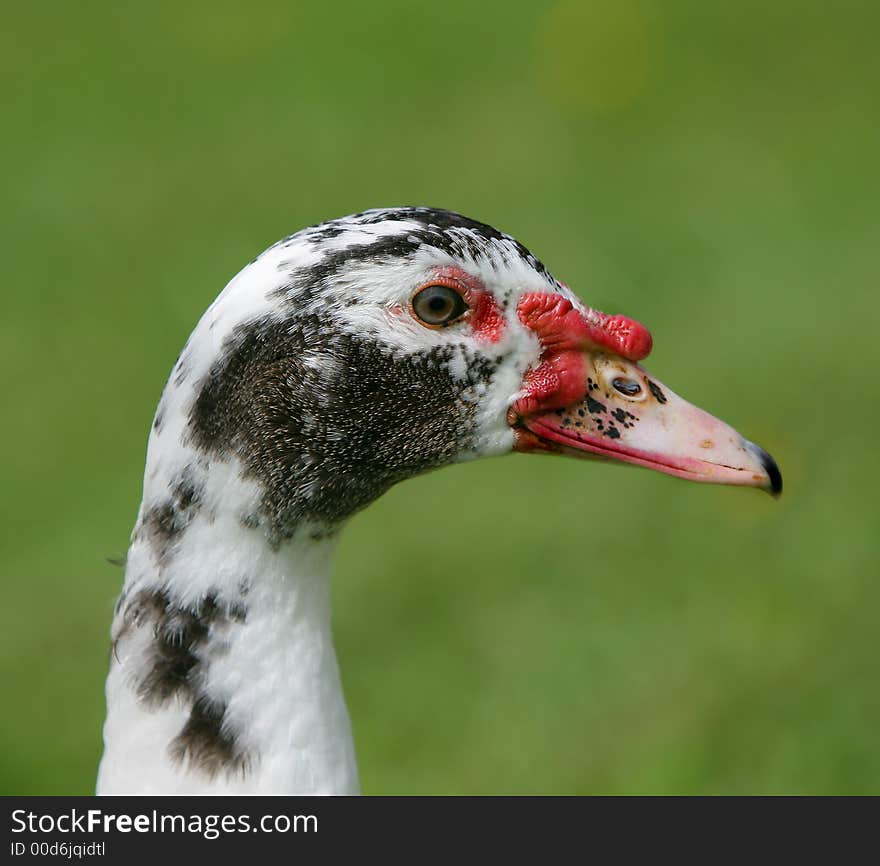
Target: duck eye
x,y
438,306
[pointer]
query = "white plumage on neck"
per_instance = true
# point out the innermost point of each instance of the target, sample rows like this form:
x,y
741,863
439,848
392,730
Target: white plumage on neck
x,y
275,674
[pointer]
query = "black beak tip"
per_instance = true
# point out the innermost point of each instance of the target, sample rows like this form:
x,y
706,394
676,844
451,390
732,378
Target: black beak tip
x,y
773,472
770,468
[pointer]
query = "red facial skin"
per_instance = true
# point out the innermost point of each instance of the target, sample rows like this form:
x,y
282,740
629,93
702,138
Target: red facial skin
x,y
566,334
561,326
485,314
487,318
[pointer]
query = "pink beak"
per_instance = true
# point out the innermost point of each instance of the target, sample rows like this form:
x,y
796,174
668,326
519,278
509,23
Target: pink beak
x,y
584,400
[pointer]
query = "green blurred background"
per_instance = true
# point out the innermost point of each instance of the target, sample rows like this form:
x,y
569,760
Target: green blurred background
x,y
709,168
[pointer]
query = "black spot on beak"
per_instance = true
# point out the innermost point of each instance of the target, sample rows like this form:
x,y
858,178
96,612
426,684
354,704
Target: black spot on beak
x,y
594,406
659,396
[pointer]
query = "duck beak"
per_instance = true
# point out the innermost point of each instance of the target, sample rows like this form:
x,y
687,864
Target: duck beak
x,y
627,415
586,401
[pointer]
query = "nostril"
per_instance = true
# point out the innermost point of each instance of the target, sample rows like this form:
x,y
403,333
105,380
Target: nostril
x,y
627,387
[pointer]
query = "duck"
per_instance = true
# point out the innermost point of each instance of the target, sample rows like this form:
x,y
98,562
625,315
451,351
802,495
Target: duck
x,y
348,357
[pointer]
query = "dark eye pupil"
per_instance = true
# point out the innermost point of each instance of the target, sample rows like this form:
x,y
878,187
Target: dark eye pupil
x,y
438,305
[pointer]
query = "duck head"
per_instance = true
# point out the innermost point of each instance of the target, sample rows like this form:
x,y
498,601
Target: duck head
x,y
368,349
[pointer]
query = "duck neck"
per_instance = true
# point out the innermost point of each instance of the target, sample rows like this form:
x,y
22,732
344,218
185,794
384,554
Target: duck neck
x,y
223,674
